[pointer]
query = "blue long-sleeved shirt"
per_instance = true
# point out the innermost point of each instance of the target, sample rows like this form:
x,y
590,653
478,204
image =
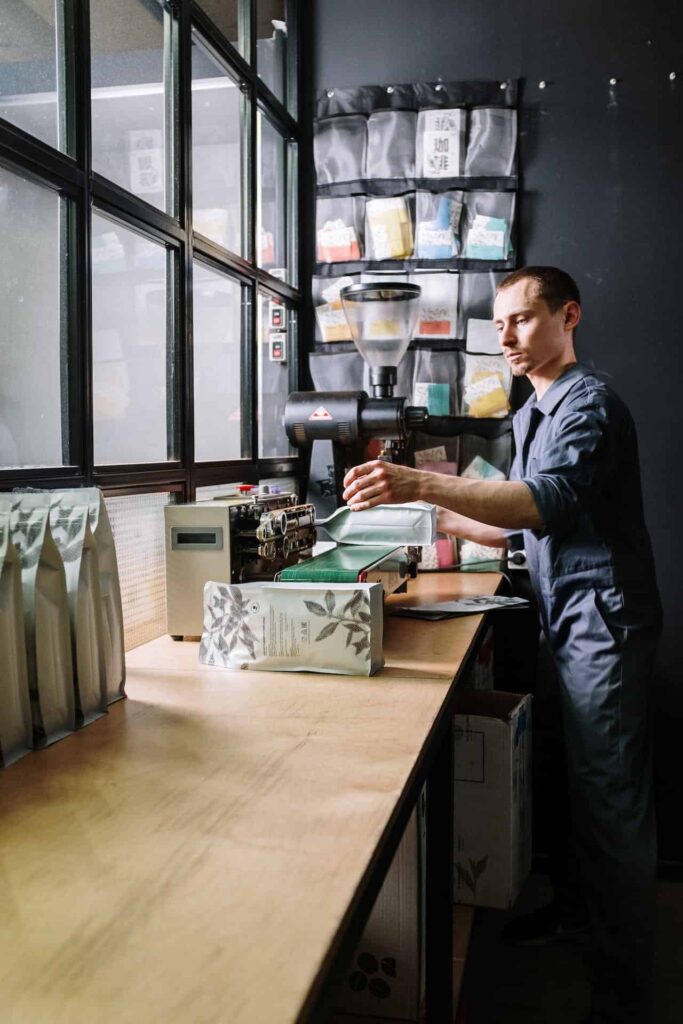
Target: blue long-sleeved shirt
x,y
576,450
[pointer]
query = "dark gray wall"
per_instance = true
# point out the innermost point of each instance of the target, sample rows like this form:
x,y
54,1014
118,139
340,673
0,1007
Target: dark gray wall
x,y
602,172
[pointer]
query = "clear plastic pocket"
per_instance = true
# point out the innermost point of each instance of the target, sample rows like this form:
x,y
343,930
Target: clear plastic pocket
x,y
477,295
488,225
339,229
438,315
486,387
436,454
389,228
339,146
435,381
342,371
483,458
440,143
331,323
492,142
391,144
437,225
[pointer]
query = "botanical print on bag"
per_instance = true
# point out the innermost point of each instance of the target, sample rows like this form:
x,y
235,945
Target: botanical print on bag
x,y
231,614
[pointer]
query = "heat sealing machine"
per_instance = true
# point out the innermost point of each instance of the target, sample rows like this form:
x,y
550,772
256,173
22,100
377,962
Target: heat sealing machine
x,y
232,540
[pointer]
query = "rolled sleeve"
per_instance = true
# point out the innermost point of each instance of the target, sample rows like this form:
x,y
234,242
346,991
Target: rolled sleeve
x,y
565,473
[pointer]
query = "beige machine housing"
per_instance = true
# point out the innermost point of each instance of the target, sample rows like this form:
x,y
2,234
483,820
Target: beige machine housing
x,y
197,550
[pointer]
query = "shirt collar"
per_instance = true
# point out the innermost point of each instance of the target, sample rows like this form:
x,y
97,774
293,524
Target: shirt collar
x,y
559,388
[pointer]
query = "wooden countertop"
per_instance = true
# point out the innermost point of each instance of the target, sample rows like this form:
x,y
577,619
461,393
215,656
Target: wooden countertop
x,y
188,859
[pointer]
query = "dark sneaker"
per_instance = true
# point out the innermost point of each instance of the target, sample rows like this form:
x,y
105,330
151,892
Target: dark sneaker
x,y
541,927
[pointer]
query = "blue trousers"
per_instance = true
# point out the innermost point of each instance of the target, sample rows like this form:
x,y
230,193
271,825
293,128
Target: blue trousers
x,y
603,640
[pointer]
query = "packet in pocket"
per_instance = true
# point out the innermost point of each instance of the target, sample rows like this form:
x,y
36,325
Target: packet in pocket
x,y
294,627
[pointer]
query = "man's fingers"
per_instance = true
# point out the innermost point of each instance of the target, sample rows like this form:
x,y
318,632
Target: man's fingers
x,y
363,501
357,471
360,471
368,479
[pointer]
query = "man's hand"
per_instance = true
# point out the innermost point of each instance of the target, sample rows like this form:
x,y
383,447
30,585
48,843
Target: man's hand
x,y
380,483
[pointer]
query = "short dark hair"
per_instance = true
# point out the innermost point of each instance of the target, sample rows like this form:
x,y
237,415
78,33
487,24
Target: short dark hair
x,y
555,286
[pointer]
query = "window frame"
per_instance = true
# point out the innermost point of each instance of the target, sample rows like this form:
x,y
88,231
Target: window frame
x,y
71,175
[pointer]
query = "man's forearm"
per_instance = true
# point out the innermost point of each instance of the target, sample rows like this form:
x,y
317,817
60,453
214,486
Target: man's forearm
x,y
470,529
507,504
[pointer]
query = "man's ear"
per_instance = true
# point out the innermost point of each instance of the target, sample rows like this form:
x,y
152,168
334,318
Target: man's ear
x,y
572,315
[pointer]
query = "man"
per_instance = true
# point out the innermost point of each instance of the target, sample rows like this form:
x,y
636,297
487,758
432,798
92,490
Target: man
x,y
575,493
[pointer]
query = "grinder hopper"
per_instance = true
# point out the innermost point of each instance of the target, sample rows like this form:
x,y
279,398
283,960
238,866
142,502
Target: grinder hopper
x,y
382,319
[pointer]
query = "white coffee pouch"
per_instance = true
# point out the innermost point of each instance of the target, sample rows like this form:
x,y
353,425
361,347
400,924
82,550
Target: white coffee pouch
x,y
413,523
46,617
71,532
16,729
112,640
294,627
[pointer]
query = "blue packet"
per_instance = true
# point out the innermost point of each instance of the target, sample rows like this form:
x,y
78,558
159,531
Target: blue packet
x,y
488,239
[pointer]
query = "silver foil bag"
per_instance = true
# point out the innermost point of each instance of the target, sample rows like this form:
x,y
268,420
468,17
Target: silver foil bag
x,y
111,618
16,730
71,531
412,524
46,617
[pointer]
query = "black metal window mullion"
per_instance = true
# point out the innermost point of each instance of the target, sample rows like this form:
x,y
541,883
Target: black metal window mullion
x,y
183,57
251,6
251,340
171,109
80,251
292,93
248,136
63,35
291,209
248,376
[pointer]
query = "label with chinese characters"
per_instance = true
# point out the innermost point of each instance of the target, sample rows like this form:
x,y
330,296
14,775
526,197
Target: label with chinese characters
x,y
441,143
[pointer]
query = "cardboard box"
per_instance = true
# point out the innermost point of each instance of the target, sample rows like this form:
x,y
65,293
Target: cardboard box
x,y
492,798
385,978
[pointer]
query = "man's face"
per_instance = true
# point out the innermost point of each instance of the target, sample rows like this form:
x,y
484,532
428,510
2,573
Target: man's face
x,y
530,335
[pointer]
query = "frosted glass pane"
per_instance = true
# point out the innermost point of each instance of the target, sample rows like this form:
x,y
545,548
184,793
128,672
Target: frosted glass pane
x,y
272,199
129,313
30,367
217,365
28,67
217,103
128,96
273,376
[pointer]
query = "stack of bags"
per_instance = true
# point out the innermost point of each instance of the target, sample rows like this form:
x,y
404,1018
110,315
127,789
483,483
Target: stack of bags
x,y
61,624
